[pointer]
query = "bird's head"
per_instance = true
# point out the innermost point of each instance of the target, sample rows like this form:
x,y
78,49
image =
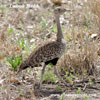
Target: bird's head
x,y
58,11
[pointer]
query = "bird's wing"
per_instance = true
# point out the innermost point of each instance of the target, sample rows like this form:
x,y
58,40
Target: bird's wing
x,y
45,53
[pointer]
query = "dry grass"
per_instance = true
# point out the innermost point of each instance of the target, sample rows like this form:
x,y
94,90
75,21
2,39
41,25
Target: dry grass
x,y
81,62
81,58
79,23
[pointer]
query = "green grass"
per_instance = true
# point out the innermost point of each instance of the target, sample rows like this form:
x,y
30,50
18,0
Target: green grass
x,y
59,88
15,61
62,96
22,43
86,97
78,90
49,76
43,23
69,77
10,31
91,82
54,29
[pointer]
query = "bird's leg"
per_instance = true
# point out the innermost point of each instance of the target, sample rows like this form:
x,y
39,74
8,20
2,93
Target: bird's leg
x,y
57,73
42,73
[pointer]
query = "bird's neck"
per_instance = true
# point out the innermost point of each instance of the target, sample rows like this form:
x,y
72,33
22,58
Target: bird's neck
x,y
59,31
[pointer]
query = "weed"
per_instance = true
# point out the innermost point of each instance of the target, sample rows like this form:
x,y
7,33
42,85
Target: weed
x,y
49,77
27,48
33,47
69,77
73,97
15,61
43,23
22,43
62,96
59,88
25,45
91,82
20,92
79,91
10,31
2,88
54,29
86,97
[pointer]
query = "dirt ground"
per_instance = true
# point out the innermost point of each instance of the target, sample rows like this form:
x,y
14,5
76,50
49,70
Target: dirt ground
x,y
38,20
25,86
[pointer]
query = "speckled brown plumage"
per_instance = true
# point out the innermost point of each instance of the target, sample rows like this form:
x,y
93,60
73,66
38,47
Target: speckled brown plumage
x,y
44,53
48,52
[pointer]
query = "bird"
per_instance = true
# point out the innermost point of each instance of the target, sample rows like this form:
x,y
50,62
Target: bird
x,y
48,52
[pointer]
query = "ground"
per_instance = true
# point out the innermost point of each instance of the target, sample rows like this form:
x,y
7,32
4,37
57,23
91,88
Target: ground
x,y
22,29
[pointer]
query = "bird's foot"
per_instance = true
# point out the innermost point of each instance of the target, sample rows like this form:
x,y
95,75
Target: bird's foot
x,y
38,86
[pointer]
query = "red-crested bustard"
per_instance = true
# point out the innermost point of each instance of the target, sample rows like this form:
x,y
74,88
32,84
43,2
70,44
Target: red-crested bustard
x,y
49,52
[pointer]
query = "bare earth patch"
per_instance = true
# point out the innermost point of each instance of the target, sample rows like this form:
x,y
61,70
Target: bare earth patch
x,y
26,87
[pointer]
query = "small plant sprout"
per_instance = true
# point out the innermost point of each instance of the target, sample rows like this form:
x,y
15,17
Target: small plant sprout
x,y
86,97
22,43
69,77
62,96
10,31
79,91
15,62
91,82
54,29
43,23
49,77
33,47
59,88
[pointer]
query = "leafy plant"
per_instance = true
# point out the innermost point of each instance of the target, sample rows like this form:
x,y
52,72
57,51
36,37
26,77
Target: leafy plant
x,y
91,82
86,97
22,43
54,29
33,46
15,61
69,77
43,24
62,96
49,77
59,88
79,91
10,31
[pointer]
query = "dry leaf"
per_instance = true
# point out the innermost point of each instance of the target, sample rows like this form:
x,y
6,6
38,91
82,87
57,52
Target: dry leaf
x,y
13,74
17,49
1,57
19,98
57,2
98,52
14,81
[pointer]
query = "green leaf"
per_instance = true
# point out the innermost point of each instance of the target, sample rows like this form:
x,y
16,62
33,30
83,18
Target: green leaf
x,y
10,31
15,61
54,29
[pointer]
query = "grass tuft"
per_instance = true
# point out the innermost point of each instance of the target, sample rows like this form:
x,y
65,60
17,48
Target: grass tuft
x,y
15,61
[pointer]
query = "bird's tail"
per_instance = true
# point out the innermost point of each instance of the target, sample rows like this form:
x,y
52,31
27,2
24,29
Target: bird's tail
x,y
23,66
